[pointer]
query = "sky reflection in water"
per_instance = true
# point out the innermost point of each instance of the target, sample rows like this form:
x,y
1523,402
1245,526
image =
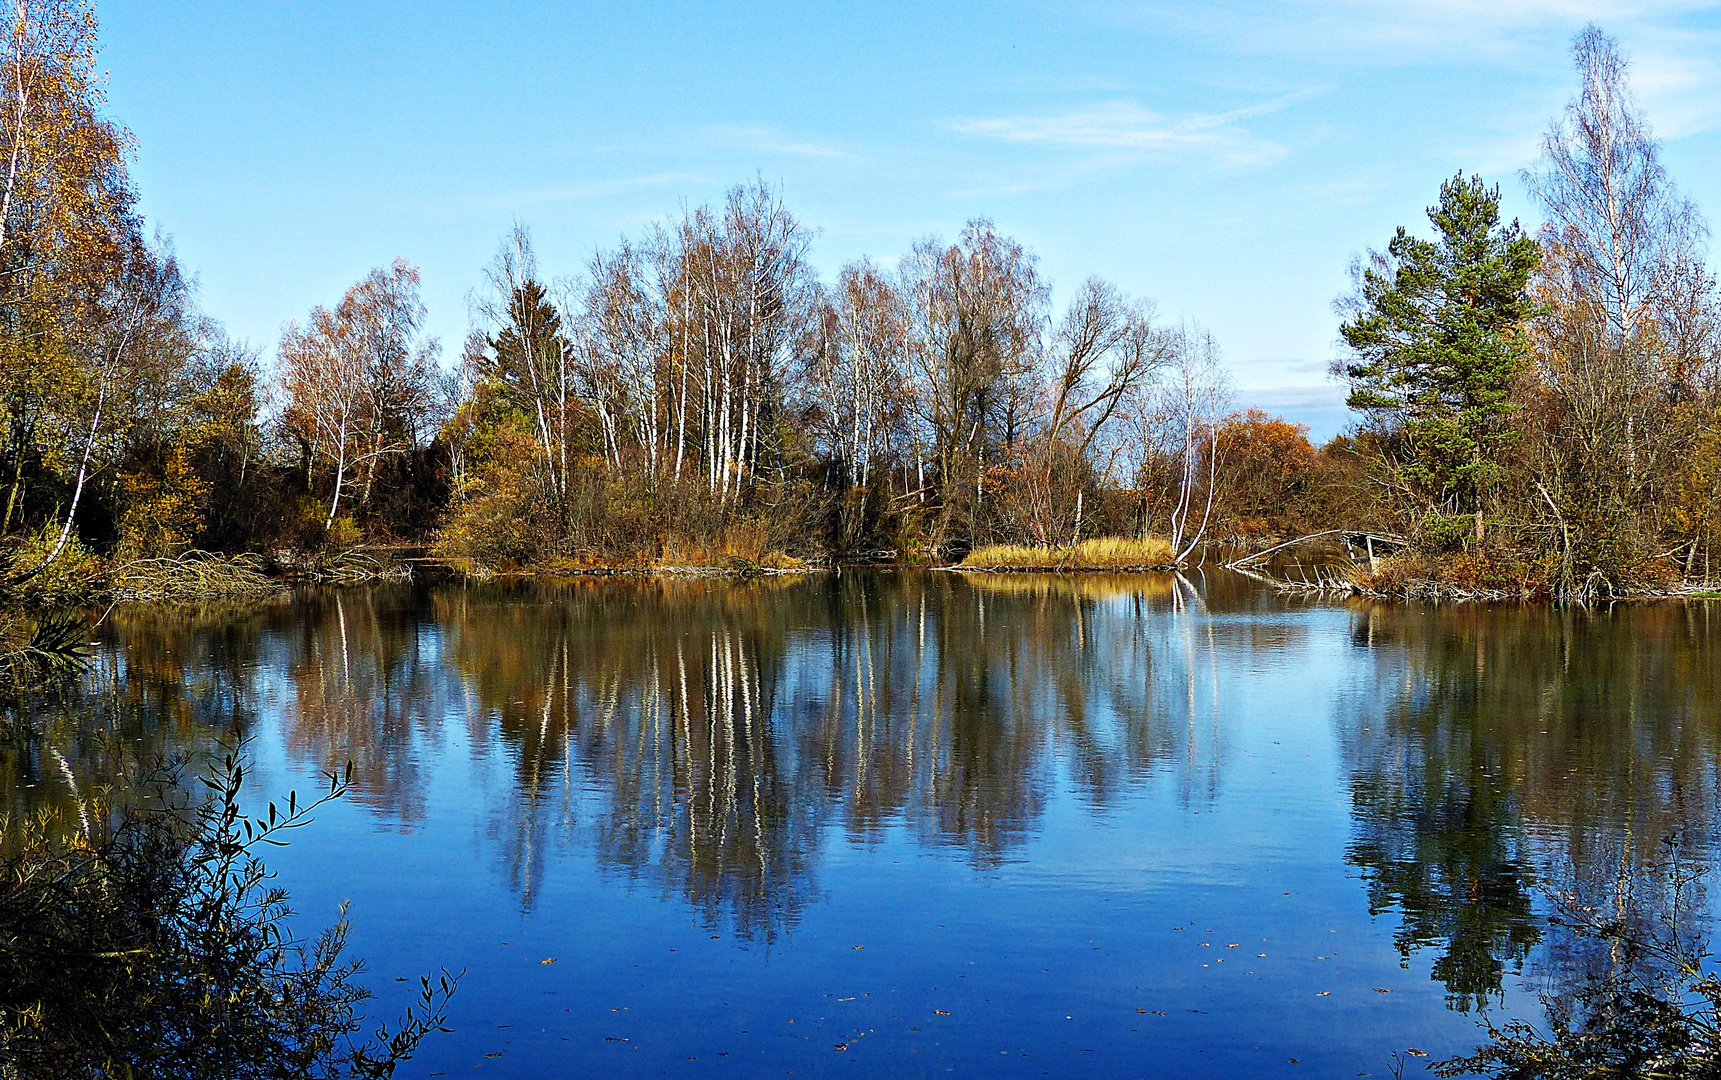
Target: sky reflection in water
x,y
924,824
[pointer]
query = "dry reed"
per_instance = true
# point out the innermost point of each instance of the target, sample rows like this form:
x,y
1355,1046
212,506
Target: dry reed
x,y
1103,553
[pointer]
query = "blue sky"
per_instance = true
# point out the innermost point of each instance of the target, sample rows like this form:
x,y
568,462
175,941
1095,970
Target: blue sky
x,y
1225,160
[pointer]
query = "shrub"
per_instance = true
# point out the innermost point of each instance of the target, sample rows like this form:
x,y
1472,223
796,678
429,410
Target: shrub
x,y
163,507
76,578
159,948
343,533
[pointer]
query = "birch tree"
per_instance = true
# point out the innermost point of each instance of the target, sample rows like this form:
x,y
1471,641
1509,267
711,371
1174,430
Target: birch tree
x,y
1196,394
66,271
358,379
131,339
1612,210
625,358
1104,348
1627,335
64,178
386,317
856,369
743,292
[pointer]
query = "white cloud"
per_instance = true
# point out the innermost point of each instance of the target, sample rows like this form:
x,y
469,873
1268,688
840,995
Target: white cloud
x,y
1674,47
1329,392
1678,80
1127,126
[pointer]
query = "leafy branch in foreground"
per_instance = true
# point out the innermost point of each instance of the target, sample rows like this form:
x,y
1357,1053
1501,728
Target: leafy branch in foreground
x,y
151,943
1654,1013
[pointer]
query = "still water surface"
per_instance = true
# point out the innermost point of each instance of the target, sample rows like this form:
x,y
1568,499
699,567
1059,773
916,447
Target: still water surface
x,y
922,824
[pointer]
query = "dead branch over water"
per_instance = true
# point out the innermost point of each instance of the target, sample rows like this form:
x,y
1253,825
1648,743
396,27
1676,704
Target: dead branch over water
x,y
195,575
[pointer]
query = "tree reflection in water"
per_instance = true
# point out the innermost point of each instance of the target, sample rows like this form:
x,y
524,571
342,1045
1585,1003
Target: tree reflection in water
x,y
365,686
711,740
710,735
1498,751
182,682
701,736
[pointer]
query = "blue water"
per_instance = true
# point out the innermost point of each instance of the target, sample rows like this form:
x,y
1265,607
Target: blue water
x,y
899,825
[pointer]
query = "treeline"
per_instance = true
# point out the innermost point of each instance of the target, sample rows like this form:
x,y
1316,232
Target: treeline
x,y
695,394
1538,411
698,392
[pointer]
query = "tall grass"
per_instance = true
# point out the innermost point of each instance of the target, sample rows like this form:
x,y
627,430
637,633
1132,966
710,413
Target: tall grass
x,y
1109,552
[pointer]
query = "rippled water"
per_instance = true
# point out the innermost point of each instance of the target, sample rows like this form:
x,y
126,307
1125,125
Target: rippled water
x,y
923,824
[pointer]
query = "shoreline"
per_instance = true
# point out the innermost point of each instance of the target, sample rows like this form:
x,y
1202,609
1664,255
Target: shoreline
x,y
1429,591
196,583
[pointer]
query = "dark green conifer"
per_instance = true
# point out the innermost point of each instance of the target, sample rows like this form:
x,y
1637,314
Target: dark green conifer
x,y
1437,332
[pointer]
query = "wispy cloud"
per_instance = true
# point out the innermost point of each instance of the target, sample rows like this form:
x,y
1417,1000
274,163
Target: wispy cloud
x,y
770,141
1128,126
1674,45
1399,32
1679,81
601,189
1327,391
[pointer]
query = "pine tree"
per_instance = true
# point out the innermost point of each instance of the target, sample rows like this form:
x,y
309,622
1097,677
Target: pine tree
x,y
1437,332
529,360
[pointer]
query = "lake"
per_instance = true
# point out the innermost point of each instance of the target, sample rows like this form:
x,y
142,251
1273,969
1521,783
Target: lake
x,y
879,824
